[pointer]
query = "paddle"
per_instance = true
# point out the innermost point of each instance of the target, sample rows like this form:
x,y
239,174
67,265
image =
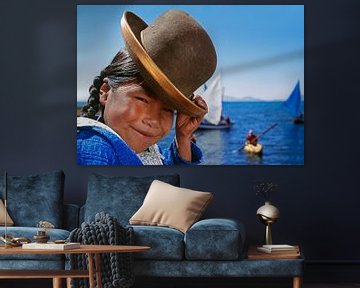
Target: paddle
x,y
261,134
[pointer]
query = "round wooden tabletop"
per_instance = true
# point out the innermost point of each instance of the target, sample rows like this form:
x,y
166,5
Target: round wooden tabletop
x,y
91,249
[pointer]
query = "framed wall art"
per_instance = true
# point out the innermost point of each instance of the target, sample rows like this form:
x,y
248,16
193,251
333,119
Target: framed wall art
x,y
191,85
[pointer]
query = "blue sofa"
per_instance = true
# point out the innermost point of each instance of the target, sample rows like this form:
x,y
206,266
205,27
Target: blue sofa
x,y
32,199
210,248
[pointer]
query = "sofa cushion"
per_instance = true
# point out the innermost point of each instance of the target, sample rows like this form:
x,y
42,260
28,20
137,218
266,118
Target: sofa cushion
x,y
165,243
9,221
169,206
29,232
35,198
214,239
120,196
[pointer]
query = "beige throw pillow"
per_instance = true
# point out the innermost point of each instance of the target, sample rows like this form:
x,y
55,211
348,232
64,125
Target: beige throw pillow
x,y
9,221
170,206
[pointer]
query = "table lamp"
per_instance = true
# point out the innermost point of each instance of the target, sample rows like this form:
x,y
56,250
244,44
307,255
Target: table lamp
x,y
268,214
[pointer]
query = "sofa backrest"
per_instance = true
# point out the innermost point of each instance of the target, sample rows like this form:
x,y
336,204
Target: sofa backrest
x,y
35,198
70,216
120,196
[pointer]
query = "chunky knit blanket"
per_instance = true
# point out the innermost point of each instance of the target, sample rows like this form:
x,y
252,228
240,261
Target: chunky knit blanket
x,y
116,268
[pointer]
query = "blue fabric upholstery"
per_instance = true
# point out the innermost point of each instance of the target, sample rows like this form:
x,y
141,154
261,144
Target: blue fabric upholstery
x,y
32,264
29,232
166,243
214,239
120,196
35,198
237,268
71,216
32,199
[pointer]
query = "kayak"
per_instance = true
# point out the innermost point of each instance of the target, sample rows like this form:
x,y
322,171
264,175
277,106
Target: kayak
x,y
254,149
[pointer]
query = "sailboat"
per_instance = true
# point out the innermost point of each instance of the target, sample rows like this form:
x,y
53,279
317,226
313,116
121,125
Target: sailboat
x,y
293,105
213,95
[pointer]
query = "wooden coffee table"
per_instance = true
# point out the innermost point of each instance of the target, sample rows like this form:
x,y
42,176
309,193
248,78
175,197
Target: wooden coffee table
x,y
57,275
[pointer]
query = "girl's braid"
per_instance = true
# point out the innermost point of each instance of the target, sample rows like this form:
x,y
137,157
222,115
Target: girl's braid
x,y
122,70
93,104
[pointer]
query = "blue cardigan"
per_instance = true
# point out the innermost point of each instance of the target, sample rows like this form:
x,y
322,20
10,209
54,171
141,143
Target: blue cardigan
x,y
98,146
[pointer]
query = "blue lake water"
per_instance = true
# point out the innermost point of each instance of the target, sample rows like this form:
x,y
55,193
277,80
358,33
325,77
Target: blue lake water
x,y
283,145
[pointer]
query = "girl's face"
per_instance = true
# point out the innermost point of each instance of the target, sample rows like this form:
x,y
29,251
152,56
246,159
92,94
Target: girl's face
x,y
140,118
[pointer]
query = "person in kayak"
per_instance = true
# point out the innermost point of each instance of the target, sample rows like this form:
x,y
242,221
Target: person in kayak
x,y
251,138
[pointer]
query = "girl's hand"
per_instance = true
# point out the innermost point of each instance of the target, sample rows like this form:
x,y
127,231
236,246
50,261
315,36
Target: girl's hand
x,y
185,127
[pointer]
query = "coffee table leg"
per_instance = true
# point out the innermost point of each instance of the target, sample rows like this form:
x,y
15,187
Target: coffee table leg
x,y
68,282
297,282
91,270
57,283
98,270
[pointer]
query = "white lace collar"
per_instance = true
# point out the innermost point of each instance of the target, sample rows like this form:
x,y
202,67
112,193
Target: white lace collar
x,y
151,156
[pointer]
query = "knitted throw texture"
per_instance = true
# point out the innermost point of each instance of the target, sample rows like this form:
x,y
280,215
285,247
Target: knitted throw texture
x,y
116,268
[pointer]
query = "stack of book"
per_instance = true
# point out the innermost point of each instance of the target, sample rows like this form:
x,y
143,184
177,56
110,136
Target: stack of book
x,y
51,246
280,248
274,252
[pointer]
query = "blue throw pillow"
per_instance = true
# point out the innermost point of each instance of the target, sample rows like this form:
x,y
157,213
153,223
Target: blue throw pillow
x,y
35,198
120,196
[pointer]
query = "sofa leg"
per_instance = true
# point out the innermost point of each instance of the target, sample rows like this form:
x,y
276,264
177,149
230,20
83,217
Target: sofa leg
x,y
57,283
68,282
297,282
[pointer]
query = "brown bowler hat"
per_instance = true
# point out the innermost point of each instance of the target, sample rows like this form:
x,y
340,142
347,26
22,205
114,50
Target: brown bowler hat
x,y
175,56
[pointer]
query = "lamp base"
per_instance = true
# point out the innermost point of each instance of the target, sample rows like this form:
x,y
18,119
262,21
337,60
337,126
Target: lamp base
x,y
268,238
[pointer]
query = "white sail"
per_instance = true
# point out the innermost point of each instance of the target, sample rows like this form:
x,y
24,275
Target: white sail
x,y
213,96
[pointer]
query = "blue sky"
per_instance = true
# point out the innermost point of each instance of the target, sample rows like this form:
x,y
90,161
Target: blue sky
x,y
260,48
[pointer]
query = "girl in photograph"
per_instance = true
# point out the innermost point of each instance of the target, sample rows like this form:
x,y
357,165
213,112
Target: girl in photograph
x,y
133,102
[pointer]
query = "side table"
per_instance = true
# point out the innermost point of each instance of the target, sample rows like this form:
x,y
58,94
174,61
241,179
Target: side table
x,y
93,268
288,259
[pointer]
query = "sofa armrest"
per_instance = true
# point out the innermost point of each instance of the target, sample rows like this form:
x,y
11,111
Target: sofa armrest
x,y
215,239
71,216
